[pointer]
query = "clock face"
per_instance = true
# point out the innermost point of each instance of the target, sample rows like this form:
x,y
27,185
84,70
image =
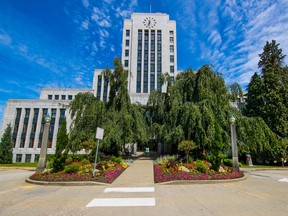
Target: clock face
x,y
149,22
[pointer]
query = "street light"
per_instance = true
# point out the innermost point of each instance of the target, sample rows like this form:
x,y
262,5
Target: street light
x,y
43,152
234,144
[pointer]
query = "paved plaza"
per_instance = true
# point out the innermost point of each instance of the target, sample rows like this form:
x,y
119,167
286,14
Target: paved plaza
x,y
134,193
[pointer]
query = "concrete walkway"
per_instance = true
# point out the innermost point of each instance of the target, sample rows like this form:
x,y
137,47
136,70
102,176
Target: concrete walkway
x,y
139,174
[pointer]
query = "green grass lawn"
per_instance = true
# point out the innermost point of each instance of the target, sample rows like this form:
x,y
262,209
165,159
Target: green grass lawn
x,y
19,165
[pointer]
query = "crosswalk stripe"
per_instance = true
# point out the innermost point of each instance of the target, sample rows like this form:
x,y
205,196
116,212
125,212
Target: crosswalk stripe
x,y
283,180
116,202
129,190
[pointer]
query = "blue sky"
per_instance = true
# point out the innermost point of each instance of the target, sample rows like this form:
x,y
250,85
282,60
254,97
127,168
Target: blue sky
x,y
58,43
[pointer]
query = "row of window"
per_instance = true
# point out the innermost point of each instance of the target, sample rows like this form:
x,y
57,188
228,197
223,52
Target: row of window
x,y
99,88
63,97
34,121
28,158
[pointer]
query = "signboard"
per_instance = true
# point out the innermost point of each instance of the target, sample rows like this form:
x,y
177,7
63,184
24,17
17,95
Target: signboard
x,y
99,133
147,150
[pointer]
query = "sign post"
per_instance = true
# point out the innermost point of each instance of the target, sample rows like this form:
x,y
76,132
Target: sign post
x,y
99,136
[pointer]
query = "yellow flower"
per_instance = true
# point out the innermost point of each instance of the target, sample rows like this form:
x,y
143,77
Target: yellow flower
x,y
124,166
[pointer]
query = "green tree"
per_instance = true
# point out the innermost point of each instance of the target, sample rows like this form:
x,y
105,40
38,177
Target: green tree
x,y
122,121
6,148
255,97
235,92
275,111
61,152
87,113
186,146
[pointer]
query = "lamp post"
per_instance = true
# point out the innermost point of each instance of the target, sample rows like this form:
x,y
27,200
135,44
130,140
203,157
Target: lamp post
x,y
234,144
43,152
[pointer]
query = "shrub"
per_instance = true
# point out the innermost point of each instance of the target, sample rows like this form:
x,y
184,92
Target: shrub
x,y
72,168
117,160
171,164
202,166
216,161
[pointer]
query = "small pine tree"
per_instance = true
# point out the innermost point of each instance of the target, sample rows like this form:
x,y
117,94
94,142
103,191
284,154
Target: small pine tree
x,y
6,148
62,142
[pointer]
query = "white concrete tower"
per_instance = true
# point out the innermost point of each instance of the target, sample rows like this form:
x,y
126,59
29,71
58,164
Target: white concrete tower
x,y
148,49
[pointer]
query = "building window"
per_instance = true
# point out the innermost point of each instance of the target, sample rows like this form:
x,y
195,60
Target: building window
x,y
172,58
53,113
14,142
62,113
63,97
171,69
28,158
39,143
99,87
22,142
171,32
126,63
27,113
49,97
126,53
56,97
171,39
159,59
105,93
70,97
127,32
36,113
171,48
45,111
127,43
139,62
172,79
18,158
31,142
49,143
25,128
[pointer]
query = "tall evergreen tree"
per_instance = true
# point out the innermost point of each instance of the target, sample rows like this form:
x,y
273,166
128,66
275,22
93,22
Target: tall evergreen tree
x,y
6,148
275,110
61,152
255,97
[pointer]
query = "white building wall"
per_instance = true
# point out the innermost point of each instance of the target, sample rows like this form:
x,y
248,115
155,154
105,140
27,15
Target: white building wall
x,y
9,117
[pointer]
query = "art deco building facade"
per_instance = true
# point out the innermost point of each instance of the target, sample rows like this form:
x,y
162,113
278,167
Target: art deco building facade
x,y
148,50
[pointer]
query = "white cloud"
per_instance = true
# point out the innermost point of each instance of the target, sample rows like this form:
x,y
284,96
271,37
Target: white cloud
x,y
85,3
101,18
215,38
5,39
85,24
112,48
103,33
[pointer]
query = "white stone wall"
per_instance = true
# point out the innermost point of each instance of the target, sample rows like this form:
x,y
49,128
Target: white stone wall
x,y
10,115
61,91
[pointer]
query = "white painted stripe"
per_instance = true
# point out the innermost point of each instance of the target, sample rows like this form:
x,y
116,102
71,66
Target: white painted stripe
x,y
129,190
283,180
112,202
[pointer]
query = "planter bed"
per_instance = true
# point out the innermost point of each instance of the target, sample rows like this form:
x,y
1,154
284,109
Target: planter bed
x,y
164,174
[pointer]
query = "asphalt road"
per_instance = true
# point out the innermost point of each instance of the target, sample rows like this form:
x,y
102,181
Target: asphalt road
x,y
260,194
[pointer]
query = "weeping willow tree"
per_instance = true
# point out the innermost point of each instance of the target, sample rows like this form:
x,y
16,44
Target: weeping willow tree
x,y
122,121
197,108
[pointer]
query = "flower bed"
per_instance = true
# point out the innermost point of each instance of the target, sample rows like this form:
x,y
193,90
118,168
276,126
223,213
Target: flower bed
x,y
107,172
200,170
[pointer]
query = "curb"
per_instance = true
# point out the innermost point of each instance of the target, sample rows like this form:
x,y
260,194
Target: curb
x,y
186,182
71,183
18,168
261,169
